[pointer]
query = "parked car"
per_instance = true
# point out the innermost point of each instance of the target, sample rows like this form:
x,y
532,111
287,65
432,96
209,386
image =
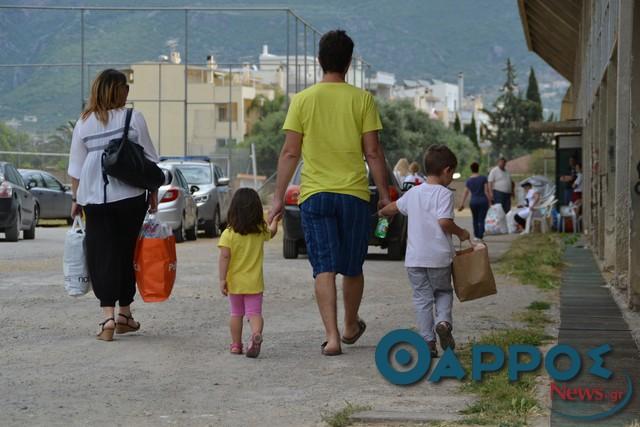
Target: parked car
x,y
293,241
53,199
18,210
213,194
176,206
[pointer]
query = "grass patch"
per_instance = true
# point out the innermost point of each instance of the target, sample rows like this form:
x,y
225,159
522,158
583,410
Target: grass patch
x,y
539,305
534,318
534,259
342,418
501,402
571,239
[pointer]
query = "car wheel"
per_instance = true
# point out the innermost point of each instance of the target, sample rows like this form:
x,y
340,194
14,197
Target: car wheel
x,y
290,248
212,228
192,233
397,249
180,232
30,234
12,233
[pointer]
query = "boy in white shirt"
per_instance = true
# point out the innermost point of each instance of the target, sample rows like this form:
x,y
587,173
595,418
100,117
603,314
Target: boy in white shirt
x,y
430,248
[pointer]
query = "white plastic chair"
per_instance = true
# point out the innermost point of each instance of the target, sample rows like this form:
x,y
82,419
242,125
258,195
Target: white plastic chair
x,y
569,212
540,214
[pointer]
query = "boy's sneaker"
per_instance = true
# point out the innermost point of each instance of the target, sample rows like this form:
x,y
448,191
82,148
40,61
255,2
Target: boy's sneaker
x,y
443,329
433,348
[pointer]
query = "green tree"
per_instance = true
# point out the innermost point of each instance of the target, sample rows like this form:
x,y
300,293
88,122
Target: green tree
x,y
456,124
533,95
509,133
268,137
471,131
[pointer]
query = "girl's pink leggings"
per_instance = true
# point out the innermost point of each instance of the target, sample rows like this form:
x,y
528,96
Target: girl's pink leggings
x,y
245,304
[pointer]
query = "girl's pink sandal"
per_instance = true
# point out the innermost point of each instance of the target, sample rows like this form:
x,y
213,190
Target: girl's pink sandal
x,y
236,348
253,350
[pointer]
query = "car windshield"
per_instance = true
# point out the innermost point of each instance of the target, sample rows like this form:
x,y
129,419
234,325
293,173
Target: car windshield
x,y
196,175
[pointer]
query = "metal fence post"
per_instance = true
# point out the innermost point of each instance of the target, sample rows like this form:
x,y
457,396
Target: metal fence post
x,y
296,53
288,50
186,75
305,56
230,117
81,59
315,60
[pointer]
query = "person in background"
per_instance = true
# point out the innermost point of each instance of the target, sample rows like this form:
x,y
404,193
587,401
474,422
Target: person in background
x,y
430,251
401,170
568,180
478,186
112,224
240,266
501,186
577,184
531,199
414,178
334,126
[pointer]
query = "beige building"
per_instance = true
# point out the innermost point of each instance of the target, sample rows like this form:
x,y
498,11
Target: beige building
x,y
216,106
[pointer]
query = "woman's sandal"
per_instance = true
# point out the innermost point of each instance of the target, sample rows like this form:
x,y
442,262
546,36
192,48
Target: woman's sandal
x,y
106,334
236,348
253,350
123,328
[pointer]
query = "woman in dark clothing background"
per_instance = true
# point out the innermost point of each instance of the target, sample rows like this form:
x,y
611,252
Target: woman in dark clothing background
x,y
478,186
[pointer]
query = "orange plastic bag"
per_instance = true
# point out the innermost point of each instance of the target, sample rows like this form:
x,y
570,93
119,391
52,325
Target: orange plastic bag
x,y
155,264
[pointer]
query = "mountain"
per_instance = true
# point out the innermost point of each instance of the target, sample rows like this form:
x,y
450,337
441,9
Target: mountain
x,y
411,38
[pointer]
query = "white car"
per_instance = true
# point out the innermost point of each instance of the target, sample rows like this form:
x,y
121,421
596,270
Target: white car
x,y
176,206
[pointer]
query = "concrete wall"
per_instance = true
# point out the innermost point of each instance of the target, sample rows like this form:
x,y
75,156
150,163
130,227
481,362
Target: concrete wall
x,y
606,95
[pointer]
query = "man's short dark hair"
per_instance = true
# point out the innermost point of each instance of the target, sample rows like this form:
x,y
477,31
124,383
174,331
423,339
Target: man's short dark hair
x,y
475,167
438,158
335,51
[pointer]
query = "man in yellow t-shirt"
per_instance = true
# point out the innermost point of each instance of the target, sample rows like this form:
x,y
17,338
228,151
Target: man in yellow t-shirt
x,y
334,126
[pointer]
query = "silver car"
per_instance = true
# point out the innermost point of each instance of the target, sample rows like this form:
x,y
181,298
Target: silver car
x,y
176,206
53,199
212,192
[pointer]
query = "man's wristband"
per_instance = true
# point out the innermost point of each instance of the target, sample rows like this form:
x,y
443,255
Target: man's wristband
x,y
74,200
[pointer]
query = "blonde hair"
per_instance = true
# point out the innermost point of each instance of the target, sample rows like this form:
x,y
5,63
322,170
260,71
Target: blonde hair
x,y
402,167
414,167
108,91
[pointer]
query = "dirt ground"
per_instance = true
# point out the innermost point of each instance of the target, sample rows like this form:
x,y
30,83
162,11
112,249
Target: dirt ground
x,y
177,370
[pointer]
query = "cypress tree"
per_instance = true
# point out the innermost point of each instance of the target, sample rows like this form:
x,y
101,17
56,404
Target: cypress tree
x,y
533,95
456,124
471,131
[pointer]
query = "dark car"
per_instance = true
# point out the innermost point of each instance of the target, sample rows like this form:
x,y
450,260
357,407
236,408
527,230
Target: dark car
x,y
17,205
395,242
53,199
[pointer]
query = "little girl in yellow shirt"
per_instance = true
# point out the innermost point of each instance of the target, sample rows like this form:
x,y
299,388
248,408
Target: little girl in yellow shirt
x,y
240,266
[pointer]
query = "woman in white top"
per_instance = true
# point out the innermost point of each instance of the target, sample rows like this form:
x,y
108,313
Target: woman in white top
x,y
531,200
112,224
414,178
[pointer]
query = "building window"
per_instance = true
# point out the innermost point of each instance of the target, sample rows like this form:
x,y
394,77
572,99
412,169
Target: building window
x,y
221,142
223,113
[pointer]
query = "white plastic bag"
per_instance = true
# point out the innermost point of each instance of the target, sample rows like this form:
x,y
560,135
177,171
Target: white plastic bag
x,y
74,263
496,221
512,225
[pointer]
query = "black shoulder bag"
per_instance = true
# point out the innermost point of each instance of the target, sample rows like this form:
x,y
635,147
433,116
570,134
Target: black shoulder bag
x,y
125,160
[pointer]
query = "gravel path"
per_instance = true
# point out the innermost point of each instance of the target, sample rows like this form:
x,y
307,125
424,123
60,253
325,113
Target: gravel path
x,y
177,370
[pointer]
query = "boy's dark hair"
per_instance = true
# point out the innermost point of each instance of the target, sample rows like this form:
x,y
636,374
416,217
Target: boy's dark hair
x,y
335,51
475,167
438,158
246,215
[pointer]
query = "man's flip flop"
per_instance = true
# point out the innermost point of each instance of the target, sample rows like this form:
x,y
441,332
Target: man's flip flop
x,y
329,353
356,337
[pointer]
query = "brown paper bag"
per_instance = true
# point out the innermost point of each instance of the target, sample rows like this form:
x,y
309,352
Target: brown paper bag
x,y
472,275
